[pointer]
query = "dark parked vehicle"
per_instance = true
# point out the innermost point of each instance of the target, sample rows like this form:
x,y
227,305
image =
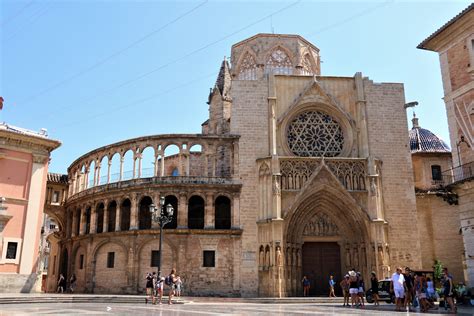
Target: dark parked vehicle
x,y
384,293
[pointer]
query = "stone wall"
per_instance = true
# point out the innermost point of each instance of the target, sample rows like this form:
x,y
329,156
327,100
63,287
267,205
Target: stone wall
x,y
250,121
388,141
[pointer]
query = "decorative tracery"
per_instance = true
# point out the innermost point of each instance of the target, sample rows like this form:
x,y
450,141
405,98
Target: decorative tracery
x,y
315,134
307,65
278,63
248,68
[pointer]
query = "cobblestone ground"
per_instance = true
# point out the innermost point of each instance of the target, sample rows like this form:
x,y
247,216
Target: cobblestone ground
x,y
203,309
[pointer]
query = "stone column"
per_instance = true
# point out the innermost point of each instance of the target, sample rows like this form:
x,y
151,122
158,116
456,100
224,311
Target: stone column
x,y
82,228
182,211
74,223
188,162
206,164
155,166
109,166
235,212
139,157
98,173
134,165
86,176
134,212
118,215
106,216
235,159
93,228
121,168
209,215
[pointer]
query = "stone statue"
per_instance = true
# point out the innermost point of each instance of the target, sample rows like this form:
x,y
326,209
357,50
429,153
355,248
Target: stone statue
x,y
279,262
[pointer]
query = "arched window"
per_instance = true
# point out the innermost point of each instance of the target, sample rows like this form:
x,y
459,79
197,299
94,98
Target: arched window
x,y
145,215
112,210
436,173
125,215
222,213
100,218
248,68
278,63
173,200
175,172
196,212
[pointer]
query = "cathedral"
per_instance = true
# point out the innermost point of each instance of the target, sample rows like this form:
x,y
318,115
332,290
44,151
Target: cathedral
x,y
294,173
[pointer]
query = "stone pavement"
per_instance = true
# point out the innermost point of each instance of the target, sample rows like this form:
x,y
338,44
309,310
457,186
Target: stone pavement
x,y
204,307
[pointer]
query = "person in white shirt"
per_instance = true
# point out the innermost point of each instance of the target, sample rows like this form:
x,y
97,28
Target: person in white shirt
x,y
397,286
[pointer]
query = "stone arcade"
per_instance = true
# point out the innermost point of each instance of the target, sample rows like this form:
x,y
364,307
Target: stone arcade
x,y
294,173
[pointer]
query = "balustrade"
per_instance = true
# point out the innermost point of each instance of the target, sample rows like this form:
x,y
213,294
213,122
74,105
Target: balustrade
x,y
217,157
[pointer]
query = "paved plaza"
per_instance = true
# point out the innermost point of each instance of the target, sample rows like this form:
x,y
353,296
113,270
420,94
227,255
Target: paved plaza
x,y
200,308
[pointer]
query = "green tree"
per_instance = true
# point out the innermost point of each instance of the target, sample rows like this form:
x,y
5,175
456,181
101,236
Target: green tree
x,y
438,270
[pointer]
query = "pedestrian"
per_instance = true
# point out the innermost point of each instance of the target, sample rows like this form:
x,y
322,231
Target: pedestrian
x,y
361,291
345,289
430,291
72,282
306,285
149,287
353,288
159,284
397,286
448,291
179,284
409,294
61,283
170,281
331,286
374,282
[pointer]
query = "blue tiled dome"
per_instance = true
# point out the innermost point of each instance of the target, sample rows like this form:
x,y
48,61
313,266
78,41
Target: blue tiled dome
x,y
424,141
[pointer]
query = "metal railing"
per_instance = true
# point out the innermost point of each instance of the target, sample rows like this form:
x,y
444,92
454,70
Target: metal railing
x,y
460,173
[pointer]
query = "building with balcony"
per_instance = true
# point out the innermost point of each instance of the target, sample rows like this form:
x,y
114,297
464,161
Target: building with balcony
x,y
294,173
454,42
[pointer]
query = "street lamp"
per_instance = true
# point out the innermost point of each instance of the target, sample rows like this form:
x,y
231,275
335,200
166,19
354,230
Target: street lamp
x,y
162,216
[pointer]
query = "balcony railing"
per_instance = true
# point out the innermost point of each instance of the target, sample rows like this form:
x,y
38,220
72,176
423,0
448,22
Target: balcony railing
x,y
460,173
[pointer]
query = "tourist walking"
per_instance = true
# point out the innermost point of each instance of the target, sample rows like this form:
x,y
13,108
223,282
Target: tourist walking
x,y
179,285
353,288
345,289
397,286
374,283
331,286
448,290
170,281
149,287
361,291
159,284
61,284
409,294
72,283
306,285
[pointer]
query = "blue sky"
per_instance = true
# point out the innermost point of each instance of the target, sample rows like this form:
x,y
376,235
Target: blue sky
x,y
97,72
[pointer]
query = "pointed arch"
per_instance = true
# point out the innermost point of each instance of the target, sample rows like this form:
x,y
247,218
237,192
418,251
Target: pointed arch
x,y
279,61
247,66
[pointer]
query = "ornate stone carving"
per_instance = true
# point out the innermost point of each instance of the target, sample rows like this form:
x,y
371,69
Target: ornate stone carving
x,y
279,63
315,134
321,225
248,68
295,172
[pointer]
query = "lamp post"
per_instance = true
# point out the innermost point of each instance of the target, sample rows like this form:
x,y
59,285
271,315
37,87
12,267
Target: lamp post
x,y
161,215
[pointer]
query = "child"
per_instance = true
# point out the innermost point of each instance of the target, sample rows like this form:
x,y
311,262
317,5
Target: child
x,y
178,286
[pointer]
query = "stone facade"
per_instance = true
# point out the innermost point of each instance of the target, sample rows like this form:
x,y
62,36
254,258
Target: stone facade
x,y
454,42
291,165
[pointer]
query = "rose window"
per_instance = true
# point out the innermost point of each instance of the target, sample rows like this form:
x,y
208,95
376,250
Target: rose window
x,y
315,134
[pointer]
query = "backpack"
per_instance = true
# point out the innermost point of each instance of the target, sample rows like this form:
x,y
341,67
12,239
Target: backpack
x,y
168,280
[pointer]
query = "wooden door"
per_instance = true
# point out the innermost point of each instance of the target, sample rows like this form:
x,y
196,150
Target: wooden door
x,y
320,260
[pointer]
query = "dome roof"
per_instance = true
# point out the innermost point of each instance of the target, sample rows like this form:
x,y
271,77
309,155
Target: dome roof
x,y
424,141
